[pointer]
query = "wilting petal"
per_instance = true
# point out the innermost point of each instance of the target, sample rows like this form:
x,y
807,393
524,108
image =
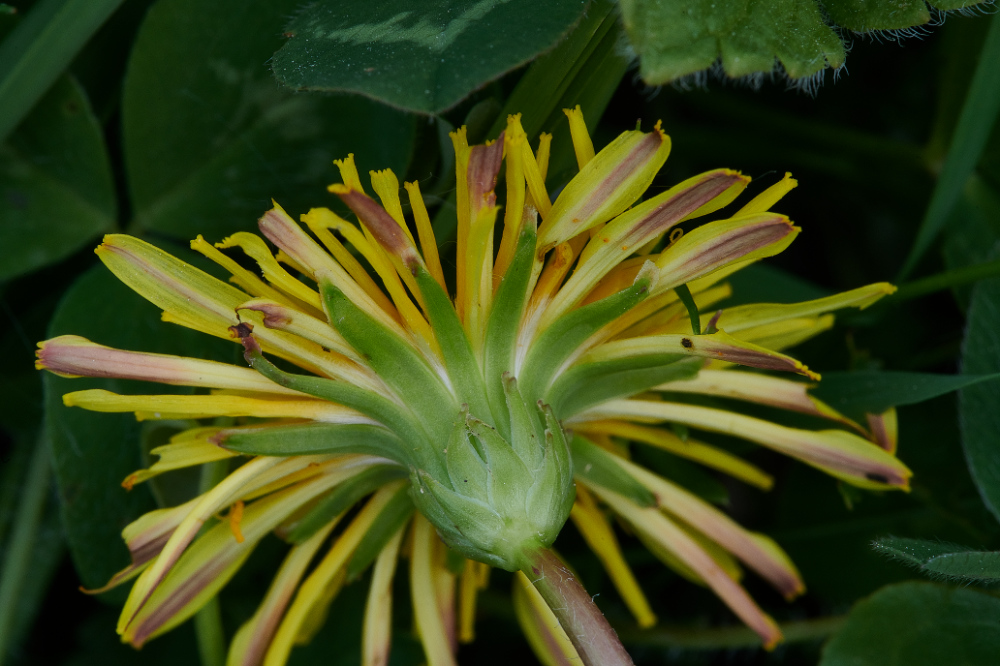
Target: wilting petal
x,y
475,577
772,565
715,245
885,429
607,185
73,356
717,346
206,406
292,320
205,567
145,538
601,538
838,453
631,230
689,448
426,607
657,527
541,627
312,595
761,389
252,640
376,636
282,230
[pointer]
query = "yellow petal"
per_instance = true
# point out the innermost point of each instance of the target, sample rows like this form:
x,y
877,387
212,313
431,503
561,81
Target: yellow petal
x,y
197,575
601,539
376,636
192,295
311,592
690,448
666,534
722,529
631,230
836,452
546,636
759,314
718,345
189,448
607,185
582,145
761,389
250,644
206,406
433,634
763,201
255,248
715,245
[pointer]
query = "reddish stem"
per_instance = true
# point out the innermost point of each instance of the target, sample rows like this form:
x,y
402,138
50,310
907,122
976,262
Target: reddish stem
x,y
594,639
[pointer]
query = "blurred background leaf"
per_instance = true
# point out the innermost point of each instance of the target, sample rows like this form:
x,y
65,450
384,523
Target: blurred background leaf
x,y
56,183
943,560
979,412
423,56
919,624
209,138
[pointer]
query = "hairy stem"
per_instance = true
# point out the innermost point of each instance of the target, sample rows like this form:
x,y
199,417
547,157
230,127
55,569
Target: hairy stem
x,y
594,639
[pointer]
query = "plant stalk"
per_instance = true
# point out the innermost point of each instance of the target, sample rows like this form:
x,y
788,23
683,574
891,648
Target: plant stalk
x,y
594,639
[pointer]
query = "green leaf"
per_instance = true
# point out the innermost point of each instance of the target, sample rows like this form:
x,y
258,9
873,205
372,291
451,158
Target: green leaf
x,y
862,16
918,624
599,467
426,57
56,183
458,358
397,363
316,438
871,391
40,48
567,333
91,452
972,235
675,39
943,560
210,137
390,520
979,417
979,114
589,384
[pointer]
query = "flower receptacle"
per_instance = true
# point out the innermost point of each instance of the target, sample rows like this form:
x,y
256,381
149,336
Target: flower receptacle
x,y
501,499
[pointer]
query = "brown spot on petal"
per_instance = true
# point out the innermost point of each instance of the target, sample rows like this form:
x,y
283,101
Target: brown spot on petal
x,y
686,343
241,330
484,167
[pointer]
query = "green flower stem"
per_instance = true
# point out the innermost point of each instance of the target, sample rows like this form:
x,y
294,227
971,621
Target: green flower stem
x,y
17,565
594,639
946,280
208,620
734,637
